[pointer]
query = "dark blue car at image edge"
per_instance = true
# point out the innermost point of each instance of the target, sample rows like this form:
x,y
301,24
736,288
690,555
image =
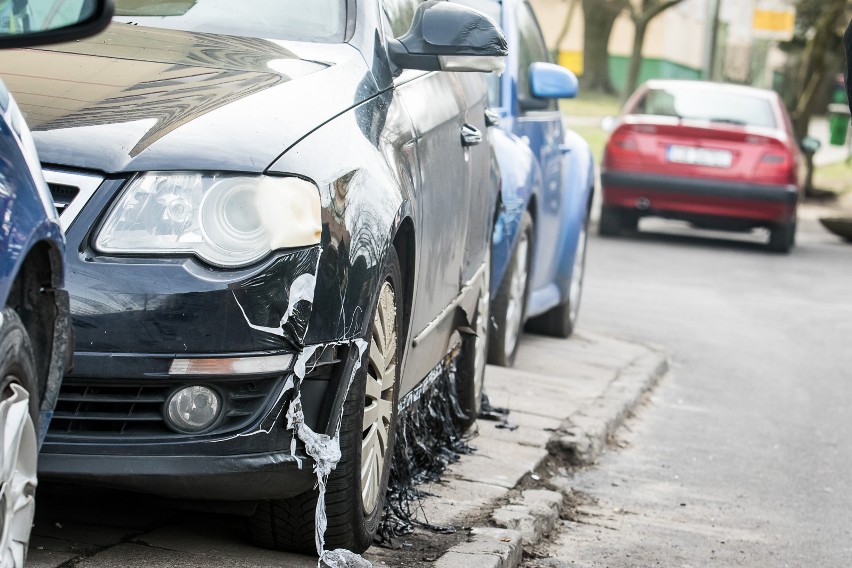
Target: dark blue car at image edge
x,y
35,331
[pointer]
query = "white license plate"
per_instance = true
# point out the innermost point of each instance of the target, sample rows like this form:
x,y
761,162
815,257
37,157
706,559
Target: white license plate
x,y
699,156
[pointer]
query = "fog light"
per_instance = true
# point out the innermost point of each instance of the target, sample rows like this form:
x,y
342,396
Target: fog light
x,y
193,409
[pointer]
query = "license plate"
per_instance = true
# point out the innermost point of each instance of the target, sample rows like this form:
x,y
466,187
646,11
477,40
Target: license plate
x,y
699,156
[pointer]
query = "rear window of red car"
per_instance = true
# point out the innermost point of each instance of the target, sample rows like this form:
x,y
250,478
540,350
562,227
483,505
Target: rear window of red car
x,y
700,104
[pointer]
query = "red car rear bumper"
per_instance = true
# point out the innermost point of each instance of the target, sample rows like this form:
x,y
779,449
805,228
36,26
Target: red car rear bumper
x,y
687,197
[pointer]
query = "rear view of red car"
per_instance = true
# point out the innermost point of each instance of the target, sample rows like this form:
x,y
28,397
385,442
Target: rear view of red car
x,y
717,156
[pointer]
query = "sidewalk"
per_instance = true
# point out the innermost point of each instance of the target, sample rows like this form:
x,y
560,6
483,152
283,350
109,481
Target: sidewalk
x,y
566,399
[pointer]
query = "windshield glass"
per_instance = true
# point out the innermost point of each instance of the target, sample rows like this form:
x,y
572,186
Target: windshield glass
x,y
702,104
301,20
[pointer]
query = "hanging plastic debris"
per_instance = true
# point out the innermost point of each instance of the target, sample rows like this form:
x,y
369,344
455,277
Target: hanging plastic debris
x,y
325,452
428,439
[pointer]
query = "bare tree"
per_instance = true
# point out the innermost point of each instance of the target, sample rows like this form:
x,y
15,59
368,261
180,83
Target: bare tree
x,y
815,56
819,54
642,12
599,17
566,27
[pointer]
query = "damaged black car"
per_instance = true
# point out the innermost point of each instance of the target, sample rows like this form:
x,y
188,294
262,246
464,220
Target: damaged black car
x,y
278,217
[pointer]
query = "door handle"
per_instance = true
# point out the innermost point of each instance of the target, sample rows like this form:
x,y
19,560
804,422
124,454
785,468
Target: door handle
x,y
470,135
492,118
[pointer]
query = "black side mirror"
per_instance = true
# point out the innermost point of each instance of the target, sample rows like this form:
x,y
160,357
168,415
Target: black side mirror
x,y
450,37
810,145
38,22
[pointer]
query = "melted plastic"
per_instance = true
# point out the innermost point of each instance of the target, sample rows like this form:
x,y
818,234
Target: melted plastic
x,y
427,441
325,452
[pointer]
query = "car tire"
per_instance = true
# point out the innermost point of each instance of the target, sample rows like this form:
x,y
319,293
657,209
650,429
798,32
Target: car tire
x,y
355,495
610,222
19,421
561,320
782,237
509,306
471,365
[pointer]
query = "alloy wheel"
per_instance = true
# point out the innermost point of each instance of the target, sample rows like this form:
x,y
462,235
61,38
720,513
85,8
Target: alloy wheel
x,y
577,274
18,471
517,290
378,403
483,319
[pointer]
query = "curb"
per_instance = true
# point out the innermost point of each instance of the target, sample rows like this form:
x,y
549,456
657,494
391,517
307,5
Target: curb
x,y
527,519
585,434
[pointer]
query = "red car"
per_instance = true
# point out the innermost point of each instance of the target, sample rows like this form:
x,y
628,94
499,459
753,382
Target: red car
x,y
718,156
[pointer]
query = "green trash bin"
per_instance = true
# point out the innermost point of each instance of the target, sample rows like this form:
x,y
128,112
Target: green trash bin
x,y
838,123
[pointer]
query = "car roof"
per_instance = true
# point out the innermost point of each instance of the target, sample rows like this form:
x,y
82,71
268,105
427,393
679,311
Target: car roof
x,y
710,86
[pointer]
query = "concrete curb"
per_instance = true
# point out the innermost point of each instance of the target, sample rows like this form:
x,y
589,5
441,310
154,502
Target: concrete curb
x,y
587,432
528,518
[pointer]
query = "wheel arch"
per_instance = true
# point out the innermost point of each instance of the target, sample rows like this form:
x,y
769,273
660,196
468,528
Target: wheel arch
x,y
37,296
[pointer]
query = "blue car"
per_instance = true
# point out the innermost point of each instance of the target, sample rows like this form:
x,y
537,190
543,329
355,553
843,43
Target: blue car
x,y
547,175
34,317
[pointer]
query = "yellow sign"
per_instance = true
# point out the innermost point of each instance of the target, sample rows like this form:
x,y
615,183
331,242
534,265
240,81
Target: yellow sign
x,y
774,24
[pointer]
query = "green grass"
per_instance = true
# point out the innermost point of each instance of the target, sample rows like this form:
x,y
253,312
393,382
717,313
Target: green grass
x,y
591,105
834,177
594,136
584,115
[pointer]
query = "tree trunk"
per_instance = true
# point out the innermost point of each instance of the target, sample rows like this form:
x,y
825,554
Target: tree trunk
x,y
566,27
599,16
814,72
816,56
635,58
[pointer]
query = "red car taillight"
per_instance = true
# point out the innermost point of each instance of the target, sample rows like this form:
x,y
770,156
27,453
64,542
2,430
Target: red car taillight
x,y
776,166
622,146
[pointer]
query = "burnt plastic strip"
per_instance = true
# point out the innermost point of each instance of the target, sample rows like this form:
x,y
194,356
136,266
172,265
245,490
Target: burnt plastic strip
x,y
427,441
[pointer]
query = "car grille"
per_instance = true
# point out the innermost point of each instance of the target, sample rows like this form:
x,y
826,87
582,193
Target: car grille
x,y
134,409
70,192
62,195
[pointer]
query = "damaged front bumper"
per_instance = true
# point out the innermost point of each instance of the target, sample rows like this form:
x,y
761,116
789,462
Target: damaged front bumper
x,y
148,327
249,455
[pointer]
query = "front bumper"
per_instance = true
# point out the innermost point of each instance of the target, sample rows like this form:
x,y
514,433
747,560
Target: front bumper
x,y
686,197
245,459
245,477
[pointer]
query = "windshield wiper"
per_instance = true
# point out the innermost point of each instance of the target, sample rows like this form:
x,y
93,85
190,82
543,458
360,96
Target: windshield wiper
x,y
729,121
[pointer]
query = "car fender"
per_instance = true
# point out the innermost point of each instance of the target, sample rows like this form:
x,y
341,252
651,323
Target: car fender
x,y
518,182
577,187
365,194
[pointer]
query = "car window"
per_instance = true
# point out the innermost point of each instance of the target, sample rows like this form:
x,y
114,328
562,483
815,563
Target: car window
x,y
302,20
399,14
701,104
532,49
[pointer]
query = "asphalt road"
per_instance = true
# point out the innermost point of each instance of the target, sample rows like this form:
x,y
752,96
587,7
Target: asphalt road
x,y
743,457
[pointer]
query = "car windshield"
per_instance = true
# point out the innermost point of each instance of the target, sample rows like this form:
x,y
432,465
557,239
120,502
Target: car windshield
x,y
301,20
702,104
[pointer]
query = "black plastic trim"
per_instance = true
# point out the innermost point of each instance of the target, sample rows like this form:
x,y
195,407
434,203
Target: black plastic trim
x,y
788,194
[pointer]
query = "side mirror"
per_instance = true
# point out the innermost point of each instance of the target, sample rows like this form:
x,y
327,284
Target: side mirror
x,y
551,81
38,22
608,123
810,145
450,37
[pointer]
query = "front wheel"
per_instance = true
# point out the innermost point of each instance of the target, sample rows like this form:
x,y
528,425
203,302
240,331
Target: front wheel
x,y
561,320
18,418
356,487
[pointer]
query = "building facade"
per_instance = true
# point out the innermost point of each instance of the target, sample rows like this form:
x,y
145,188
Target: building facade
x,y
678,41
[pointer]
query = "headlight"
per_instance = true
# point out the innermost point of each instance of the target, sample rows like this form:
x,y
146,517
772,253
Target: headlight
x,y
226,220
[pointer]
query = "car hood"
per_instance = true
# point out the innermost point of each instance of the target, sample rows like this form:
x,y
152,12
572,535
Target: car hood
x,y
140,99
